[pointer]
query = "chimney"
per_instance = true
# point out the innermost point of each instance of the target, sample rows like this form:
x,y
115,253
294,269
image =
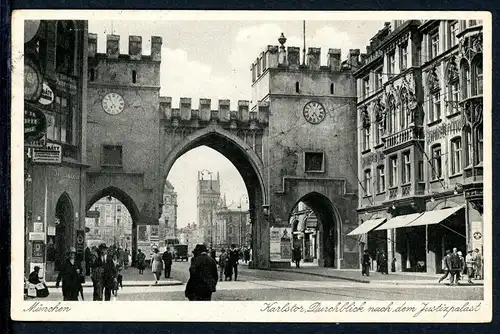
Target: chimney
x,y
156,43
353,58
185,108
204,109
92,45
368,50
113,46
135,47
334,56
313,58
224,110
243,110
293,57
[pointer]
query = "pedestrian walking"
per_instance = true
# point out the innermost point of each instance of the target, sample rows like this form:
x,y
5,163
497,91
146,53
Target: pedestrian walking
x,y
382,262
156,264
88,260
469,263
463,269
118,283
247,255
141,261
167,259
446,265
233,262
479,264
107,272
455,265
365,264
70,275
223,258
297,255
203,275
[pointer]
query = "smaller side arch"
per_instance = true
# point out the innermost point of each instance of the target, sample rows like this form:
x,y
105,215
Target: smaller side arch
x,y
119,195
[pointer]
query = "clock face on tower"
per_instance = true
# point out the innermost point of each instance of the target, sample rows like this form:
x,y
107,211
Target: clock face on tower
x,y
314,112
113,103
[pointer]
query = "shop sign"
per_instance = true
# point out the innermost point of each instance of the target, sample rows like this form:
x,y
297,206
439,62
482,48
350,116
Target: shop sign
x,y
38,251
35,126
32,79
280,244
37,236
41,273
477,234
80,241
47,96
51,230
66,83
51,154
38,227
92,214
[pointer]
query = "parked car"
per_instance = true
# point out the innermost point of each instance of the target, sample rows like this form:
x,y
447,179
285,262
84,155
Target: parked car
x,y
180,252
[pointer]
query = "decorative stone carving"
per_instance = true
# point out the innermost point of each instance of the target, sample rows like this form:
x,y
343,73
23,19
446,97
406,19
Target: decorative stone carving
x,y
365,117
452,69
433,80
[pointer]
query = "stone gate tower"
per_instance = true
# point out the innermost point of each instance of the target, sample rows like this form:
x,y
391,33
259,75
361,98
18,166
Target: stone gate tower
x,y
123,126
310,148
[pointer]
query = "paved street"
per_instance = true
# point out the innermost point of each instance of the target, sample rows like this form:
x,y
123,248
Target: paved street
x,y
255,285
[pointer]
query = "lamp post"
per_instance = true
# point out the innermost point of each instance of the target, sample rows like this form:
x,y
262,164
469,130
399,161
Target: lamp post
x,y
241,218
211,205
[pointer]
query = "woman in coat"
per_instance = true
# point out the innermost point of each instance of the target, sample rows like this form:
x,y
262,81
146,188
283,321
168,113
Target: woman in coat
x,y
141,261
156,264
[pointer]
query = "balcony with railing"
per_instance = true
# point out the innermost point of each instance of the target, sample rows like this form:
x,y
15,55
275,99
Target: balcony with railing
x,y
405,191
403,138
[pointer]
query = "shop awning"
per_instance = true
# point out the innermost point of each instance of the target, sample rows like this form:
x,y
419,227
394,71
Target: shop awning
x,y
367,226
434,217
399,221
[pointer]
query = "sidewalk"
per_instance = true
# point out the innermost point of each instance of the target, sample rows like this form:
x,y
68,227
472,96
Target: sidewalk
x,y
131,277
375,277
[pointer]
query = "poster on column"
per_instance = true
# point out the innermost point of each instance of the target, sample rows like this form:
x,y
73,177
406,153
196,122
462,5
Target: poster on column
x,y
477,234
280,244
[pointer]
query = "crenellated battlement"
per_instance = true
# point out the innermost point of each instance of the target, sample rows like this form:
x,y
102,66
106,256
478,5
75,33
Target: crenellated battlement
x,y
204,114
134,48
281,57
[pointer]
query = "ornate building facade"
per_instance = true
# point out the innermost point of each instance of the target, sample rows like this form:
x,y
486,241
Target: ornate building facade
x,y
420,134
113,225
55,94
168,219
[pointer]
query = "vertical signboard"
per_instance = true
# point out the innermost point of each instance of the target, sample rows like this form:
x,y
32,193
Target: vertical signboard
x,y
280,244
476,228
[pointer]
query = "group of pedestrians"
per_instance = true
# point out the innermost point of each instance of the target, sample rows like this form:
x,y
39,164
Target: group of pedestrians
x,y
381,260
455,265
228,263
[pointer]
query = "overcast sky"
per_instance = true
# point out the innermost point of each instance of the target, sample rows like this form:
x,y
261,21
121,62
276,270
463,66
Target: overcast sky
x,y
211,59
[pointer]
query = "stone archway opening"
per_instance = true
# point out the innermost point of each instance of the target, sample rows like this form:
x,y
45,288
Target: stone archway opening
x,y
249,168
112,218
315,224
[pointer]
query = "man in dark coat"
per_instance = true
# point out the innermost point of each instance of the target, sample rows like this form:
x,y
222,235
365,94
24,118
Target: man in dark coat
x,y
383,263
88,260
203,275
297,255
71,276
109,272
366,263
234,255
167,258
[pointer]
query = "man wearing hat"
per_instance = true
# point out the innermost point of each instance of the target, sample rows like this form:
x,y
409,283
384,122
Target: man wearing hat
x,y
71,276
470,260
108,274
446,266
203,275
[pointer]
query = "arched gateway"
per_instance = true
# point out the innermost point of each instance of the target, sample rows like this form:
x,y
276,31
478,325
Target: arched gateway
x,y
288,144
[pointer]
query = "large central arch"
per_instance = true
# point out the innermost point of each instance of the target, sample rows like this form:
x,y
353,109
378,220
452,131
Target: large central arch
x,y
242,156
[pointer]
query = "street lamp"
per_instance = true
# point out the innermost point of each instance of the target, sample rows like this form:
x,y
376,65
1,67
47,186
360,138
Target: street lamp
x,y
211,205
241,217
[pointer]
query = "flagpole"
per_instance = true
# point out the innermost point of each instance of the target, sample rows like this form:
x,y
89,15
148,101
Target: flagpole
x,y
304,39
